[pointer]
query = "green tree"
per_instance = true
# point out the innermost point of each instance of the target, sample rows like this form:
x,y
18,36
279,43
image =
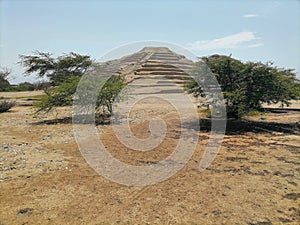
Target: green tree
x,y
65,73
109,93
61,95
25,86
64,94
4,83
56,69
41,85
246,86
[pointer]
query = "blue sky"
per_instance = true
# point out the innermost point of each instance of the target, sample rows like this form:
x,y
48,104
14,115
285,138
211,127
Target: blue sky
x,y
256,30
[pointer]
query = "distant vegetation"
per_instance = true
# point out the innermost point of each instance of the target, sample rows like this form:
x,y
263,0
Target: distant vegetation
x,y
246,86
5,86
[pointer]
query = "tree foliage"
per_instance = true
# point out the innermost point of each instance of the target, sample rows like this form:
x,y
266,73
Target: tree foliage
x,y
56,96
246,86
4,83
109,93
65,73
56,69
64,94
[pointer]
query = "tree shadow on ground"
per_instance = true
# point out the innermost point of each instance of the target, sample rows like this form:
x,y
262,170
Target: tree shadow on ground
x,y
243,126
232,126
69,120
65,120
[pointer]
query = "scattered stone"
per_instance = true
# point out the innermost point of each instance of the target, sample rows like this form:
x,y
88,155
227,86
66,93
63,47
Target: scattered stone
x,y
292,196
284,220
278,173
5,178
216,212
292,183
261,223
5,148
39,164
236,159
25,211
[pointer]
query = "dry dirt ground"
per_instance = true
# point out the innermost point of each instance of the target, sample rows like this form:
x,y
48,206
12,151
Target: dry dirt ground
x,y
20,94
45,180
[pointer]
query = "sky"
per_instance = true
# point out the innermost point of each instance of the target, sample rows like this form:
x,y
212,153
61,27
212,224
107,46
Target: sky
x,y
249,30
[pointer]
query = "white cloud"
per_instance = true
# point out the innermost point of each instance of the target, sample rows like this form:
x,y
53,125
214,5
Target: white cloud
x,y
254,45
240,40
250,15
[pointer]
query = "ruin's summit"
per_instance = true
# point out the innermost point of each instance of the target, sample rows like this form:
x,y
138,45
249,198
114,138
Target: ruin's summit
x,y
152,61
156,49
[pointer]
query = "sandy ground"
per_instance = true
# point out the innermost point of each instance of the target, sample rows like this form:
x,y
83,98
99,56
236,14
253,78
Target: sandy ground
x,y
45,180
20,94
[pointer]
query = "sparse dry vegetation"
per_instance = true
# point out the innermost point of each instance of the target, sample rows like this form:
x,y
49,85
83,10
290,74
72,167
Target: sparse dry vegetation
x,y
6,105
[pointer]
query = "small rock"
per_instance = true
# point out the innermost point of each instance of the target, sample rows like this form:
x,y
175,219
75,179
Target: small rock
x,y
284,220
6,178
292,196
25,211
216,212
5,148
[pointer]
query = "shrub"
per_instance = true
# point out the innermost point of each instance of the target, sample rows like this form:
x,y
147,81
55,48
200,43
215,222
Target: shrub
x,y
255,113
41,85
245,86
6,105
206,112
63,95
4,83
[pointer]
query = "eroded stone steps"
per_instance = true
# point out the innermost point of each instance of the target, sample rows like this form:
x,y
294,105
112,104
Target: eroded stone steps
x,y
145,73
